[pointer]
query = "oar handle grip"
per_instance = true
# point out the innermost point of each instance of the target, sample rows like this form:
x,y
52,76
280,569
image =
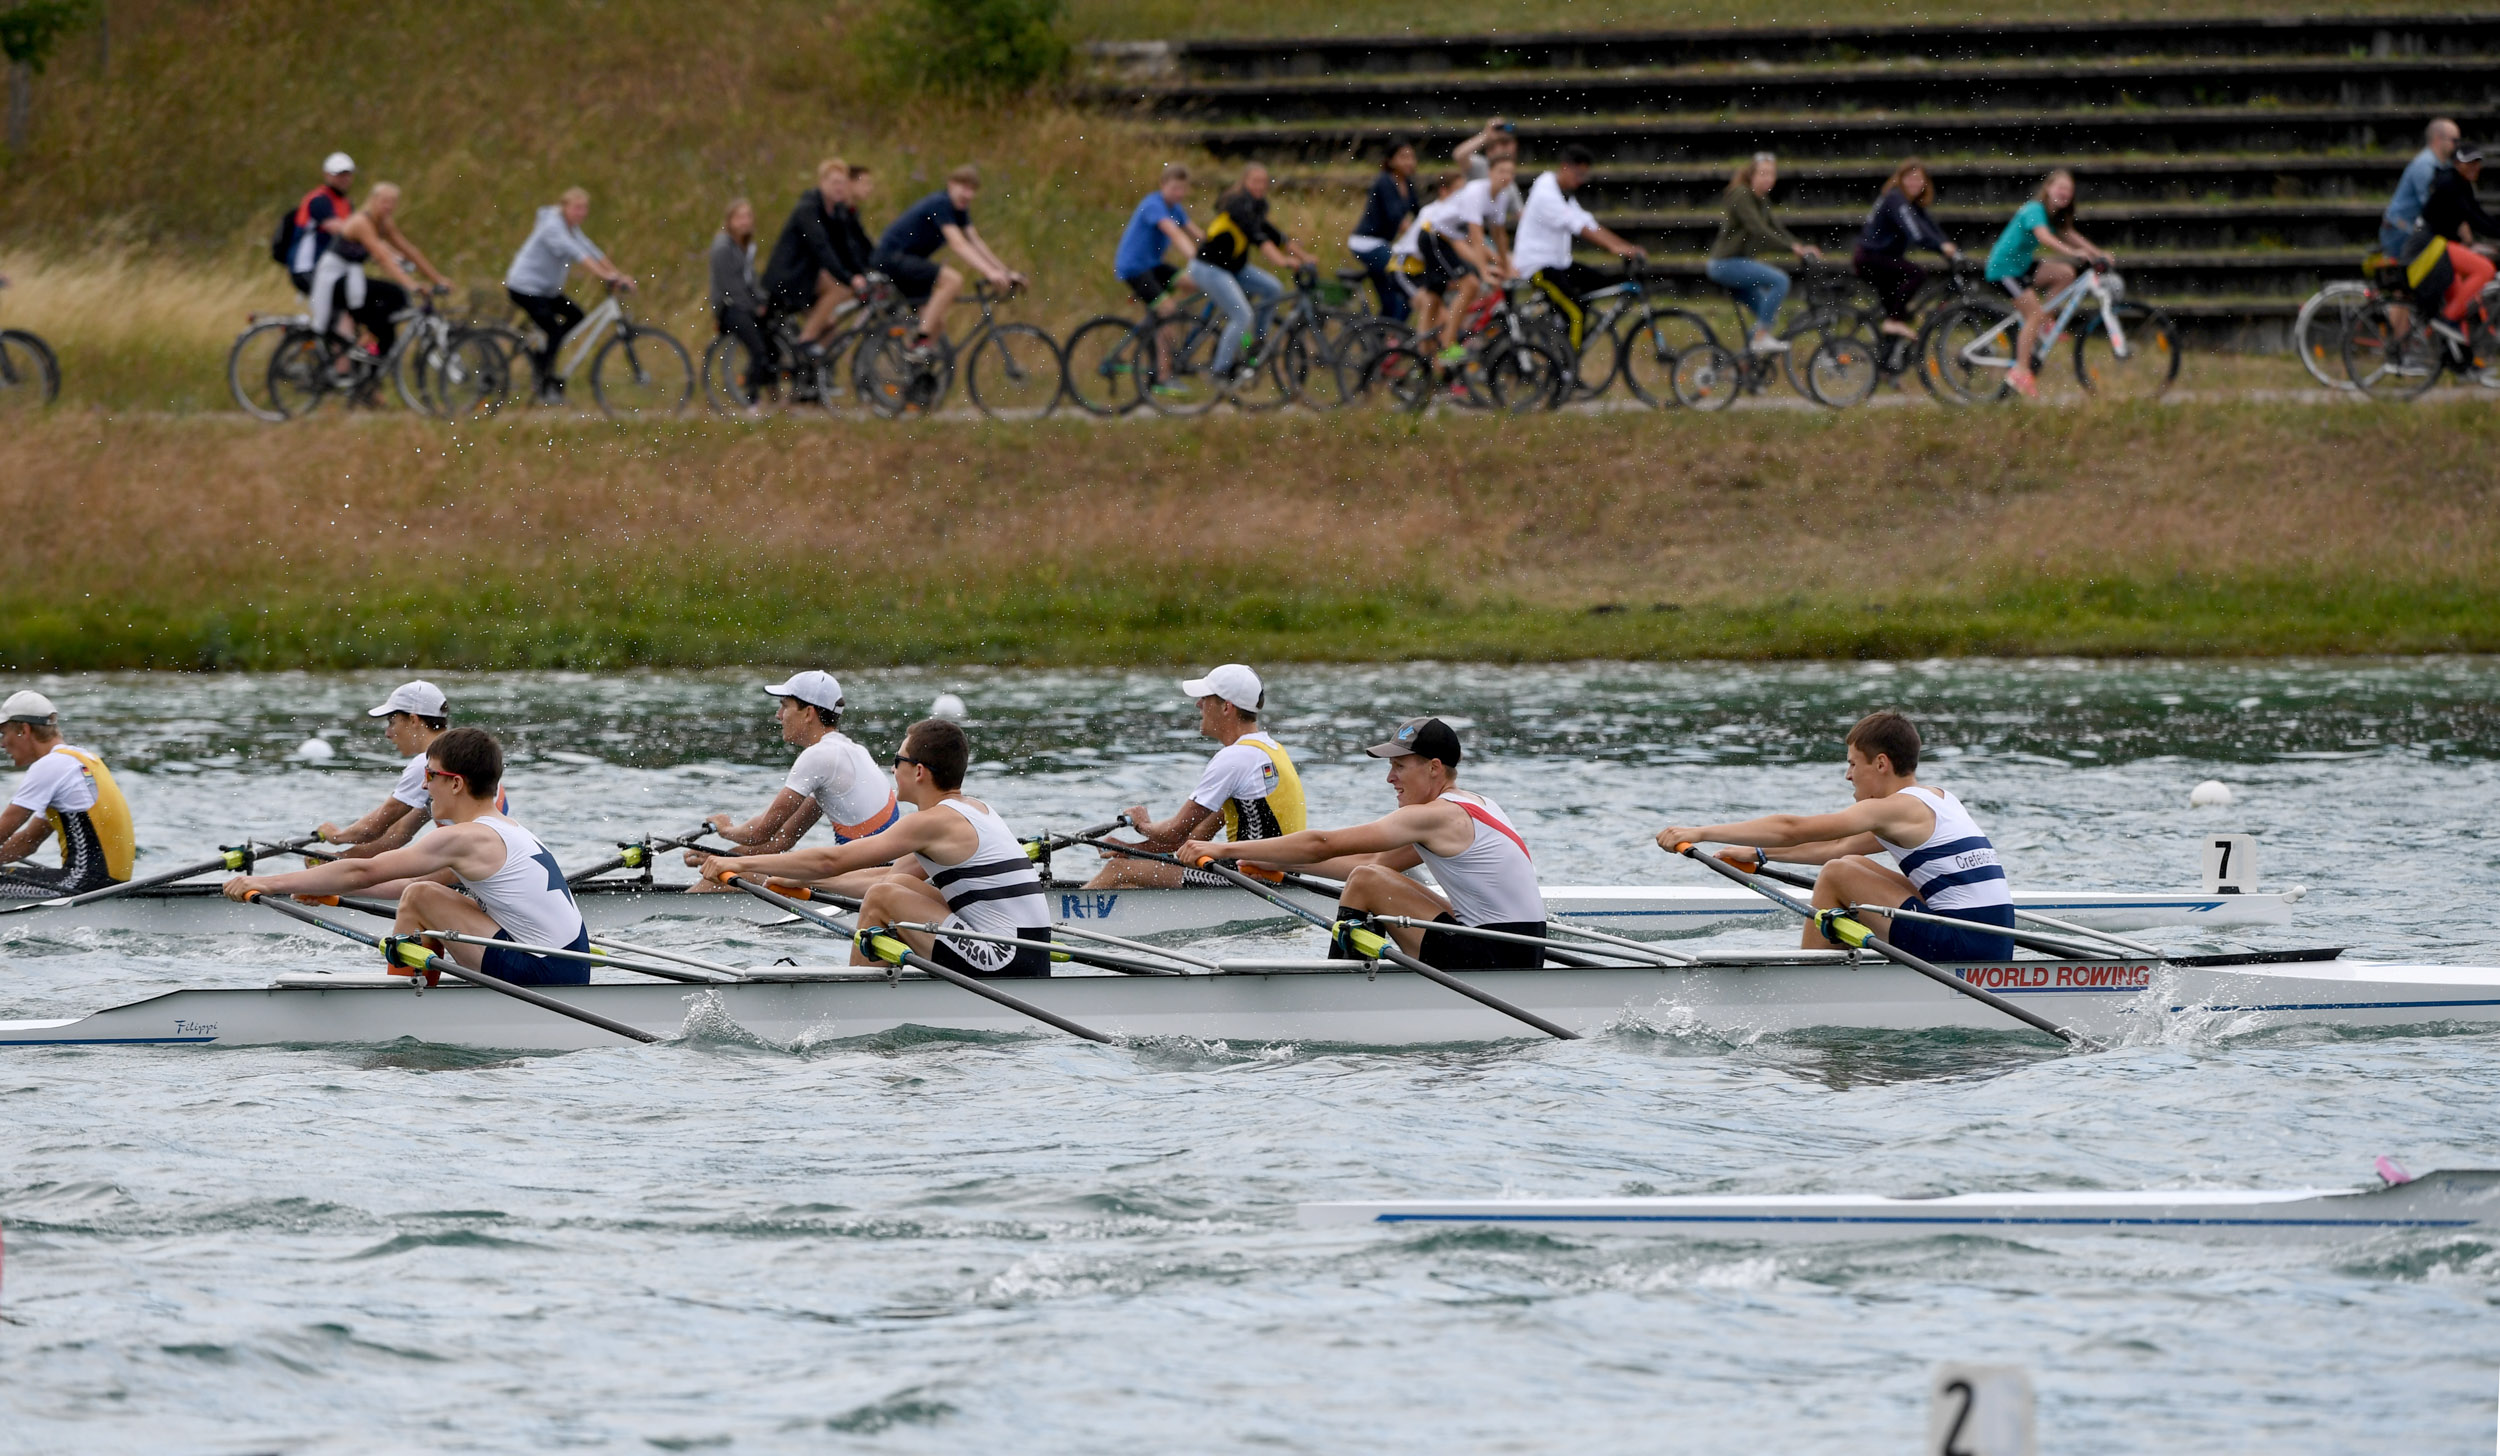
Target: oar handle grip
x,y
791,888
1273,877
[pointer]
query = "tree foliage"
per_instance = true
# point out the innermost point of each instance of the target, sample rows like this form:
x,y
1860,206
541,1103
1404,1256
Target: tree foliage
x,y
31,29
973,47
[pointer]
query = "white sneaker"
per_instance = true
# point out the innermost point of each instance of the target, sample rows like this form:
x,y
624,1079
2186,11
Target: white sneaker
x,y
1766,344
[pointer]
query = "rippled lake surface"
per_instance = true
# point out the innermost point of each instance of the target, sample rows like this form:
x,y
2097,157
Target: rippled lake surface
x,y
943,1243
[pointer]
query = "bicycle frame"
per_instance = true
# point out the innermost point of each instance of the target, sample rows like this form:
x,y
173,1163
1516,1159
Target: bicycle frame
x,y
2088,284
578,345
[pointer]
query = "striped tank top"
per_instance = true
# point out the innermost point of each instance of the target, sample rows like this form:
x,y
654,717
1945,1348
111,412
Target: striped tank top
x,y
1956,868
997,890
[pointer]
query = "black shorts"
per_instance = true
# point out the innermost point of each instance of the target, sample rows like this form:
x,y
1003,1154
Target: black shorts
x,y
1030,959
1444,951
524,969
1930,942
1151,285
914,277
1442,264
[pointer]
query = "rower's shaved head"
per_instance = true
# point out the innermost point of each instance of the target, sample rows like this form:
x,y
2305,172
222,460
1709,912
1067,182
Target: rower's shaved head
x,y
1887,733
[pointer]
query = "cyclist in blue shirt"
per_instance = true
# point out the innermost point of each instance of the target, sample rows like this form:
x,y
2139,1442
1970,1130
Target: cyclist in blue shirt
x,y
1159,225
943,219
2015,265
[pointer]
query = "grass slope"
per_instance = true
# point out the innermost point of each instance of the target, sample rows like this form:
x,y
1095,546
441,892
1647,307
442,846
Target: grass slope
x,y
2202,529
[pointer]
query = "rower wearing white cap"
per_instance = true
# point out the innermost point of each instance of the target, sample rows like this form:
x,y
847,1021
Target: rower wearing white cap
x,y
1250,784
413,716
834,778
75,795
1476,855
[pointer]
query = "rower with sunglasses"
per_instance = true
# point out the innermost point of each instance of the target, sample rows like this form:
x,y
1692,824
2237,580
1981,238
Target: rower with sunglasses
x,y
962,868
479,874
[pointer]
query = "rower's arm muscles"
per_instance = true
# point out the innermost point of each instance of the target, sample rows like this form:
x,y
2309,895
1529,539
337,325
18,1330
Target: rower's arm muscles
x,y
428,857
792,828
390,836
374,823
1187,823
764,826
1784,831
22,832
1824,851
824,861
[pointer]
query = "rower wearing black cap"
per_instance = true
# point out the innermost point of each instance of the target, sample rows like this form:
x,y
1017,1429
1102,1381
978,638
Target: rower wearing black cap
x,y
1476,856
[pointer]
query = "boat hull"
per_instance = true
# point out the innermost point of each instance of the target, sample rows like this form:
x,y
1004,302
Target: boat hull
x,y
1340,1003
1650,909
2442,1202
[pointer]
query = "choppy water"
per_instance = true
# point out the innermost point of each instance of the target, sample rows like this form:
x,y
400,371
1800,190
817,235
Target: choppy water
x,y
1031,1244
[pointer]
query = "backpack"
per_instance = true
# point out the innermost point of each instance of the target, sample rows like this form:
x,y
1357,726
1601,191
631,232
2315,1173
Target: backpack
x,y
282,242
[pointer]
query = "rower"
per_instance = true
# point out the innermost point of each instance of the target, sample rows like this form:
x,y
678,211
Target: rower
x,y
74,793
413,716
1476,856
480,874
955,864
834,778
1947,866
1250,784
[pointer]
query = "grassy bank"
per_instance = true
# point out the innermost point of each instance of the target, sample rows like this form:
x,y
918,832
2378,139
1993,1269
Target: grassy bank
x,y
1160,19
2201,529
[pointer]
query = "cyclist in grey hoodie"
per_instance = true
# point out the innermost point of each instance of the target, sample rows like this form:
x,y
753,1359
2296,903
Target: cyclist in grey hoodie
x,y
536,281
737,299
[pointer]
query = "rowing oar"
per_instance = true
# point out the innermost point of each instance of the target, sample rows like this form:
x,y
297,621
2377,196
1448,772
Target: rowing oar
x,y
893,952
231,857
1313,883
404,950
1837,926
2026,940
1361,942
638,854
1041,848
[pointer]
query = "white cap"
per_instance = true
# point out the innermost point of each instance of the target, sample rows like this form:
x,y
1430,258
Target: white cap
x,y
29,707
1233,683
420,697
338,162
816,689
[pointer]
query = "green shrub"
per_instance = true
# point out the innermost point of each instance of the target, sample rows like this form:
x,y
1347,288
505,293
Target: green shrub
x,y
972,47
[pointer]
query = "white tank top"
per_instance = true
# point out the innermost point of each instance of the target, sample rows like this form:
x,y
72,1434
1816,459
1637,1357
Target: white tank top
x,y
997,890
528,896
1491,881
1956,868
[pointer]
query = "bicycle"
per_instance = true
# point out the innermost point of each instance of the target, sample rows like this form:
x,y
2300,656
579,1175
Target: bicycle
x,y
736,382
307,367
1839,370
1160,361
637,371
1009,369
2326,320
2396,348
1506,365
1639,339
30,373
2122,348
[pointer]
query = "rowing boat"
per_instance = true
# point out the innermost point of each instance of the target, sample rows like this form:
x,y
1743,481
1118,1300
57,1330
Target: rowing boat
x,y
1338,1002
615,907
2441,1202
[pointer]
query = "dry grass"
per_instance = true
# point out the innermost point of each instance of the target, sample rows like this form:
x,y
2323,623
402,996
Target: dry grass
x,y
1158,19
2215,529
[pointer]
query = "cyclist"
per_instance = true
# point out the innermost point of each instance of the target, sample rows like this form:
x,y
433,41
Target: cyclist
x,y
2452,215
1461,241
2395,226
943,219
536,280
1419,278
814,266
1547,225
1223,270
308,229
738,302
369,232
1747,229
1159,225
1476,156
2015,265
1899,223
1385,212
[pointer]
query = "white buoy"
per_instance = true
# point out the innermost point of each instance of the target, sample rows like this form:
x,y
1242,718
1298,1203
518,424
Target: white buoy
x,y
947,706
315,750
2211,794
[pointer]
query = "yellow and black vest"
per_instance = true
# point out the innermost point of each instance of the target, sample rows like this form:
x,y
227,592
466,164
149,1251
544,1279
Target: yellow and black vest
x,y
1280,812
100,837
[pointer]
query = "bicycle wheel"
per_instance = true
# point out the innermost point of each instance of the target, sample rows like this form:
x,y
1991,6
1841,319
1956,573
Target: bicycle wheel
x,y
1308,367
1015,372
1707,377
298,374
1101,364
1522,375
899,379
736,382
2390,353
1647,346
2318,334
1178,357
1842,371
2144,371
642,375
1397,378
1804,335
1972,350
1359,343
30,376
475,376
247,368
